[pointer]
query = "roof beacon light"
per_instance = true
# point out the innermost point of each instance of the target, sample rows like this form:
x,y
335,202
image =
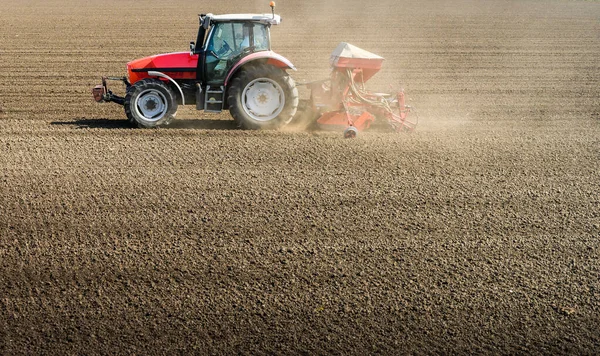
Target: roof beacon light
x,y
272,4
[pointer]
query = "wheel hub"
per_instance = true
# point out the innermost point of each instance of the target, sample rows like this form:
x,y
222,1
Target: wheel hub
x,y
262,98
150,105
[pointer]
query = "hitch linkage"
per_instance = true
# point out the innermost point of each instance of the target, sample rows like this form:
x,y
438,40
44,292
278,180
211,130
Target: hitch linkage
x,y
102,94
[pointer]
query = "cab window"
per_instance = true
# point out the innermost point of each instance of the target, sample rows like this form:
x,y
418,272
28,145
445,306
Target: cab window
x,y
261,37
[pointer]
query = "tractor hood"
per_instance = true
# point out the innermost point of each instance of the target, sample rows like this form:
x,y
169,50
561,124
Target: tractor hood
x,y
177,65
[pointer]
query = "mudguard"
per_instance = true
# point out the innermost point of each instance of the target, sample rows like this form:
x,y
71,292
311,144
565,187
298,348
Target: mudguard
x,y
272,58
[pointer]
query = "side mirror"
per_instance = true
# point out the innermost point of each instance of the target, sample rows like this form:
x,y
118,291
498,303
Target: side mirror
x,y
192,47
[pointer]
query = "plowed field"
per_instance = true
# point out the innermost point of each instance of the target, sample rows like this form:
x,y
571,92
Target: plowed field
x,y
479,232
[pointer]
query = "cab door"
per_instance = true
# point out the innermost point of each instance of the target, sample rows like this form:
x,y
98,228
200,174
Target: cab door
x,y
225,41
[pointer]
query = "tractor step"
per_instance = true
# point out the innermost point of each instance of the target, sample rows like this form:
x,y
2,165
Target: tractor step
x,y
199,98
214,99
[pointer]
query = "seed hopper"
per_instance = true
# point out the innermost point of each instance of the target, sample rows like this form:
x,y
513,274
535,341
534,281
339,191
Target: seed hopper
x,y
341,102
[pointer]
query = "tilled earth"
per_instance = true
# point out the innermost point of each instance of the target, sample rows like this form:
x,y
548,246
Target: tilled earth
x,y
476,233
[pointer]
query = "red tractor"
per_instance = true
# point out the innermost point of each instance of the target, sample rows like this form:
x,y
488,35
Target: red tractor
x,y
230,66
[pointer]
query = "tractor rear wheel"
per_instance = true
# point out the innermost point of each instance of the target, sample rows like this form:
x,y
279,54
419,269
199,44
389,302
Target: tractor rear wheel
x,y
150,103
262,97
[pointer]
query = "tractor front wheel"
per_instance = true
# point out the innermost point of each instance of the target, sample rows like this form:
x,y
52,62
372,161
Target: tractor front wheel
x,y
150,103
262,97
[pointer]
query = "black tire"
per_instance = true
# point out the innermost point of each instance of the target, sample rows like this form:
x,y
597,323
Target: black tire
x,y
150,103
262,97
129,118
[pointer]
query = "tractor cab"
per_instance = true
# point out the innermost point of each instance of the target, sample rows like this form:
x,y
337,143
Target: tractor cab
x,y
226,39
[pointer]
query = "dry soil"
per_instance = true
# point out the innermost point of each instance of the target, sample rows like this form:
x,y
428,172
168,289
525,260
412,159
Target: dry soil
x,y
476,233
